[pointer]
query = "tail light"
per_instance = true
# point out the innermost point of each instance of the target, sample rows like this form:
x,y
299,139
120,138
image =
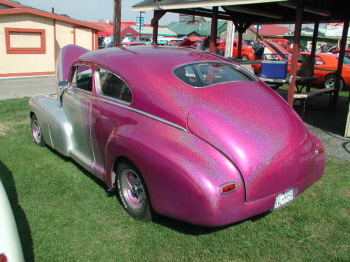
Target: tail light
x,y
227,188
319,151
3,257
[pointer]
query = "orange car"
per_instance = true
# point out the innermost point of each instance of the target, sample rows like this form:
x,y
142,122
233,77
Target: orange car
x,y
247,51
324,66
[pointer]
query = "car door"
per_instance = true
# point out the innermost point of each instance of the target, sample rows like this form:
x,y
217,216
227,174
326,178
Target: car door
x,y
110,111
76,103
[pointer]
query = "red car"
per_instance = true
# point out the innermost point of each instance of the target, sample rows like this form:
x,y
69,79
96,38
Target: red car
x,y
283,42
191,42
132,43
247,51
347,52
269,51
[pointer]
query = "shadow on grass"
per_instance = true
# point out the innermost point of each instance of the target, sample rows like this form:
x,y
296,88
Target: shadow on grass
x,y
195,230
177,225
81,169
23,227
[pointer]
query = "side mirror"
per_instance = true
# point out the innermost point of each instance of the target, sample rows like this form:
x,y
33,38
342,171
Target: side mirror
x,y
63,85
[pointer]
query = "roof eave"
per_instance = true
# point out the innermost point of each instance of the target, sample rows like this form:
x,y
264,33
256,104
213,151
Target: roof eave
x,y
49,15
149,6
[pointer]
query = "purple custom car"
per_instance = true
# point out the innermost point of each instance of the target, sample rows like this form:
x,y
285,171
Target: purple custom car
x,y
179,132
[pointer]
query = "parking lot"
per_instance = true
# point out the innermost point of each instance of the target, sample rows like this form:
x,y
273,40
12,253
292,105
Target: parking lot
x,y
26,86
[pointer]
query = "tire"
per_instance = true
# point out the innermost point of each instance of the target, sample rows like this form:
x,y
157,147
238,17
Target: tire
x,y
36,132
329,82
133,192
244,57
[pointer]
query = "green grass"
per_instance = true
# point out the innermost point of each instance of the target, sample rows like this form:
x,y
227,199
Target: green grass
x,y
64,214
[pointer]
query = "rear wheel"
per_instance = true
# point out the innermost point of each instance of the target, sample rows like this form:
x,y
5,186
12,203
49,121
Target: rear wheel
x,y
133,192
245,57
36,132
329,82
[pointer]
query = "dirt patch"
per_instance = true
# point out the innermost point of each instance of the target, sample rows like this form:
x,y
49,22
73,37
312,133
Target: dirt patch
x,y
7,127
4,128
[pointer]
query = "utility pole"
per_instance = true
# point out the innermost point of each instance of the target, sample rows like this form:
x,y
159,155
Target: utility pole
x,y
117,22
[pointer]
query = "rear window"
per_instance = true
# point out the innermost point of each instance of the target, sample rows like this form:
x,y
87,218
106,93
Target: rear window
x,y
205,74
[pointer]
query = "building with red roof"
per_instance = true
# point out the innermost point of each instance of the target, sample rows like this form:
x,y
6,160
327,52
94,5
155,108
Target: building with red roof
x,y
30,39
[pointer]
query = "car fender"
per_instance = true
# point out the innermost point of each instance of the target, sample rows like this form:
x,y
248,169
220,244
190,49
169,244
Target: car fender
x,y
183,173
55,128
10,243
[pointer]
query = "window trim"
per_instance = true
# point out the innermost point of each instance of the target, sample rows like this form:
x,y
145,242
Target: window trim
x,y
24,50
235,66
99,87
73,75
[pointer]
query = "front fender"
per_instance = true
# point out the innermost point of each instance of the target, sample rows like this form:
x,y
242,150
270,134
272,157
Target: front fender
x,y
183,173
55,128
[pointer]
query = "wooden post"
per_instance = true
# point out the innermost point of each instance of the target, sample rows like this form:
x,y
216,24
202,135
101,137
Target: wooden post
x,y
295,54
241,28
117,22
338,73
214,29
314,43
230,36
158,14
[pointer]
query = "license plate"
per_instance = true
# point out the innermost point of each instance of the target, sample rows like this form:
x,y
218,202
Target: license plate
x,y
284,199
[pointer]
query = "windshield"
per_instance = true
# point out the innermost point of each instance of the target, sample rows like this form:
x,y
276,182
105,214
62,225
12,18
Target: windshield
x,y
346,60
277,51
206,74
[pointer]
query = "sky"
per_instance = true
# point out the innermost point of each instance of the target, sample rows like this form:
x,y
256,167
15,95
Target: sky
x,y
94,10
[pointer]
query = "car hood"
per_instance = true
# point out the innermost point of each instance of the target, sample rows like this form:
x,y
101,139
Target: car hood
x,y
258,131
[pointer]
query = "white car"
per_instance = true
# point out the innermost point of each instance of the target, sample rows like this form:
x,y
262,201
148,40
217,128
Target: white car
x,y
10,244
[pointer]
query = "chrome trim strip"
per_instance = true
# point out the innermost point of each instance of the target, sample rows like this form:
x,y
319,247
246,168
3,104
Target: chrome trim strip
x,y
142,113
99,88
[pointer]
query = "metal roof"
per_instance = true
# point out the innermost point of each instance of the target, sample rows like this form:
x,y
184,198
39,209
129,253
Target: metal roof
x,y
184,28
259,11
182,4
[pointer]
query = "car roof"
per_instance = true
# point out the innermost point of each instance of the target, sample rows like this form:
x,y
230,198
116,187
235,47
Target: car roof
x,y
323,55
146,59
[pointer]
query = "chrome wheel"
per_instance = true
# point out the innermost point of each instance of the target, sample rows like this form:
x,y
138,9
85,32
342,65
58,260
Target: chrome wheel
x,y
132,189
329,82
36,132
245,57
133,192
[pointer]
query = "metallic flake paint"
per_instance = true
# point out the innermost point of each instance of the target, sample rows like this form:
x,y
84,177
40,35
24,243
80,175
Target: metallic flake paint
x,y
186,142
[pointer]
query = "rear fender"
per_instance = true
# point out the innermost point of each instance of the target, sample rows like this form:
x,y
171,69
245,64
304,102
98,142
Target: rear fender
x,y
183,173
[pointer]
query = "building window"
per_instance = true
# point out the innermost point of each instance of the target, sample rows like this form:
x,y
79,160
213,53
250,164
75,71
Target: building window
x,y
25,41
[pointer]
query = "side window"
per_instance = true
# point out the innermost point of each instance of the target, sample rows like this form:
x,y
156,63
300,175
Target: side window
x,y
319,61
82,77
113,86
300,58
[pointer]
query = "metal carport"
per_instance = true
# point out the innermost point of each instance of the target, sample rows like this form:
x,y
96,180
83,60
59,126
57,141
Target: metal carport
x,y
244,13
